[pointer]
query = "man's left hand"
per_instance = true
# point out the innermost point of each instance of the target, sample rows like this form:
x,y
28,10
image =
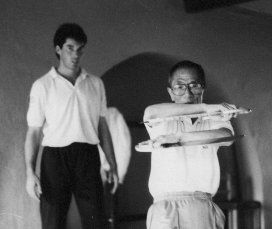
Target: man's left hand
x,y
113,178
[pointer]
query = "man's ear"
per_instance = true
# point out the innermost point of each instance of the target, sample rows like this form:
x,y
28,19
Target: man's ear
x,y
170,93
203,95
58,49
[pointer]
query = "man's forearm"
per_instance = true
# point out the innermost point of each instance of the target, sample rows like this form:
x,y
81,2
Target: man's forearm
x,y
106,142
193,136
32,144
177,109
172,109
107,148
202,135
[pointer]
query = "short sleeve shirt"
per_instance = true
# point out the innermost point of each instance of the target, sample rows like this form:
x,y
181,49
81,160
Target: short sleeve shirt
x,y
67,113
191,168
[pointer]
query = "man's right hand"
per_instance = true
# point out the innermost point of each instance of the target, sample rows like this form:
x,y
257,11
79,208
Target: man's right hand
x,y
221,108
33,186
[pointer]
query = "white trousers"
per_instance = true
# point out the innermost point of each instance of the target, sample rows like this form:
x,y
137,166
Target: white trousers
x,y
185,210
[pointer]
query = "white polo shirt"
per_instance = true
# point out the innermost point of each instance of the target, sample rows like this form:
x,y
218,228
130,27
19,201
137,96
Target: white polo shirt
x,y
191,168
68,113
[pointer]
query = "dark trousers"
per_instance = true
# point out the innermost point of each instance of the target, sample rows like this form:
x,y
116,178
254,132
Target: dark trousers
x,y
66,170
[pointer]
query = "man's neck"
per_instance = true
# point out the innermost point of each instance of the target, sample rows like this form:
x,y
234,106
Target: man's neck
x,y
70,75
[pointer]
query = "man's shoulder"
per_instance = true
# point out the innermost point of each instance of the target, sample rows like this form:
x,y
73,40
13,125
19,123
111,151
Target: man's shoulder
x,y
45,79
91,76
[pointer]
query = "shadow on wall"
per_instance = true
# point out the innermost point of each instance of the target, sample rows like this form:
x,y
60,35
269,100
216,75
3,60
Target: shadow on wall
x,y
137,82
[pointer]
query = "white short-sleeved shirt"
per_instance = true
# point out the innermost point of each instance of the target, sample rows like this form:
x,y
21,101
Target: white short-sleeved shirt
x,y
68,113
191,168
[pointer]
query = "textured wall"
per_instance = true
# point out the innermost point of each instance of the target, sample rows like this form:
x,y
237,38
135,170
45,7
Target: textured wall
x,y
233,45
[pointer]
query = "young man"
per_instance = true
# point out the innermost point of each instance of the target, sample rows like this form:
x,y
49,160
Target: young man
x,y
184,179
68,105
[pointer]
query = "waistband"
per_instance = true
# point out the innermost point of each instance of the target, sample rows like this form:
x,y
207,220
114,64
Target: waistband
x,y
74,144
182,195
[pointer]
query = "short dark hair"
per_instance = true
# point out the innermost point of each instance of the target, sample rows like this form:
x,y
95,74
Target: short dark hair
x,y
69,30
187,64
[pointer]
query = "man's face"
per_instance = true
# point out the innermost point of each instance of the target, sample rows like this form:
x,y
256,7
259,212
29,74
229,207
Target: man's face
x,y
70,54
185,76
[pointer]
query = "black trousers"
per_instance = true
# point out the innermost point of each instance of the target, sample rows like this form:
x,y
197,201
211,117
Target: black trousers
x,y
74,169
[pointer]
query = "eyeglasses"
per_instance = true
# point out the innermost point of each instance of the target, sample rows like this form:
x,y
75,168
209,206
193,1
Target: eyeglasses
x,y
180,89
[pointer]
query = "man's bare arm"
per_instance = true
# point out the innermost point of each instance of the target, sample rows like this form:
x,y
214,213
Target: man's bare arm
x,y
107,147
176,109
32,145
172,109
193,136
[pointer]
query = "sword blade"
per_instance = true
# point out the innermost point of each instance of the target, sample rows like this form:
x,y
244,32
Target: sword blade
x,y
212,141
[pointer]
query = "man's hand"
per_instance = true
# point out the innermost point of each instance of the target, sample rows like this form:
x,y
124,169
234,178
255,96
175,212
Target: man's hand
x,y
113,177
33,186
221,108
163,139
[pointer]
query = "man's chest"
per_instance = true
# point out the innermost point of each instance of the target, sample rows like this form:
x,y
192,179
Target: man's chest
x,y
61,95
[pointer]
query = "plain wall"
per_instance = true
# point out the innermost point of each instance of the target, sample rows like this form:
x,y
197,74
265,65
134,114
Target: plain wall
x,y
233,45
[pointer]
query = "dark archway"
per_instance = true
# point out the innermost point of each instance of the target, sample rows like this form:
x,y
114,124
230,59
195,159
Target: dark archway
x,y
137,82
